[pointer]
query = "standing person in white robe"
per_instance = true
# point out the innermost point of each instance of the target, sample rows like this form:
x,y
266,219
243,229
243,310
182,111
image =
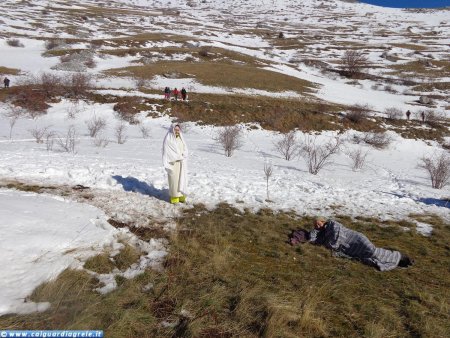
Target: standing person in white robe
x,y
174,156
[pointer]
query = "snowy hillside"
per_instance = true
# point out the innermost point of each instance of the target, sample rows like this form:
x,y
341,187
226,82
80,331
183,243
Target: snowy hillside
x,y
285,52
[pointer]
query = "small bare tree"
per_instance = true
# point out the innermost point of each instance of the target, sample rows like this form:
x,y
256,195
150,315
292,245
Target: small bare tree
x,y
39,133
287,145
358,113
317,156
230,138
119,131
438,167
268,171
353,62
393,113
50,140
95,125
73,110
358,157
145,131
68,142
100,141
13,113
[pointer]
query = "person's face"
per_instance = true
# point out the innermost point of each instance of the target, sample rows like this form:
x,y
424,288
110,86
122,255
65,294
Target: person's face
x,y
318,224
177,130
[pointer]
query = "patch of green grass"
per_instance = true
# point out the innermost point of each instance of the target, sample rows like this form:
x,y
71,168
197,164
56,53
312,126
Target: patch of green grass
x,y
231,274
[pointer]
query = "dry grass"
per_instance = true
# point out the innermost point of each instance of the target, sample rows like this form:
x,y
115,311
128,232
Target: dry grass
x,y
419,68
415,129
230,274
221,74
410,46
8,71
428,87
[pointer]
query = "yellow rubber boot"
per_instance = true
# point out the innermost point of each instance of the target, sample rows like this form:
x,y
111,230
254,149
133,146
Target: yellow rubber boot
x,y
174,200
182,199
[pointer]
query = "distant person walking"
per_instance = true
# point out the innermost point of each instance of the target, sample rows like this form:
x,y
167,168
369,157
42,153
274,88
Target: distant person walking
x,y
167,93
422,115
6,82
175,93
183,94
408,114
174,156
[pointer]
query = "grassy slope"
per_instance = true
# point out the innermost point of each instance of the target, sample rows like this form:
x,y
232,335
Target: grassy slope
x,y
235,277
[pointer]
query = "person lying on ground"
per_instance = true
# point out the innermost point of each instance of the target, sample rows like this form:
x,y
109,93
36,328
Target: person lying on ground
x,y
344,242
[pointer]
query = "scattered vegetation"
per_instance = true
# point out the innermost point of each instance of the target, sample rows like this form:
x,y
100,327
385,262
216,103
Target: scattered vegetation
x,y
438,167
231,274
229,138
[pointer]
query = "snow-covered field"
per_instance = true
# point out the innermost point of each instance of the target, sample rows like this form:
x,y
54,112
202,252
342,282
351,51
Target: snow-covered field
x,y
127,181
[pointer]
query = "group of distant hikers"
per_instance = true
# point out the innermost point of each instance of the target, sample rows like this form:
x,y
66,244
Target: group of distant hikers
x,y
342,241
168,93
422,115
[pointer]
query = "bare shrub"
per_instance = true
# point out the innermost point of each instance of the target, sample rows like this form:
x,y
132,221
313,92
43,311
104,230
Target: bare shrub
x,y
13,114
139,81
230,138
73,110
77,85
50,140
119,131
268,171
51,84
39,133
353,62
378,140
95,125
358,157
358,113
438,167
317,156
14,43
52,44
68,142
434,119
100,141
287,145
31,99
145,131
393,113
204,51
90,63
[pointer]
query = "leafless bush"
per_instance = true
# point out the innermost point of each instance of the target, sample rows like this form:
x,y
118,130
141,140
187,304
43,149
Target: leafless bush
x,y
378,140
139,81
287,145
77,85
358,113
317,156
51,84
73,110
13,113
90,63
268,171
358,157
390,89
119,131
434,118
68,142
353,62
39,133
230,138
50,140
204,51
14,43
145,131
52,44
438,167
95,125
100,141
393,113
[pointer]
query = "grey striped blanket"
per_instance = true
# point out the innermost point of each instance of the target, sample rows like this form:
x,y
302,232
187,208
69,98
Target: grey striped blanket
x,y
345,242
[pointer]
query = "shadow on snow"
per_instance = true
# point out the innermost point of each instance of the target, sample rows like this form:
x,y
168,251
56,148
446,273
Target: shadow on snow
x,y
133,184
